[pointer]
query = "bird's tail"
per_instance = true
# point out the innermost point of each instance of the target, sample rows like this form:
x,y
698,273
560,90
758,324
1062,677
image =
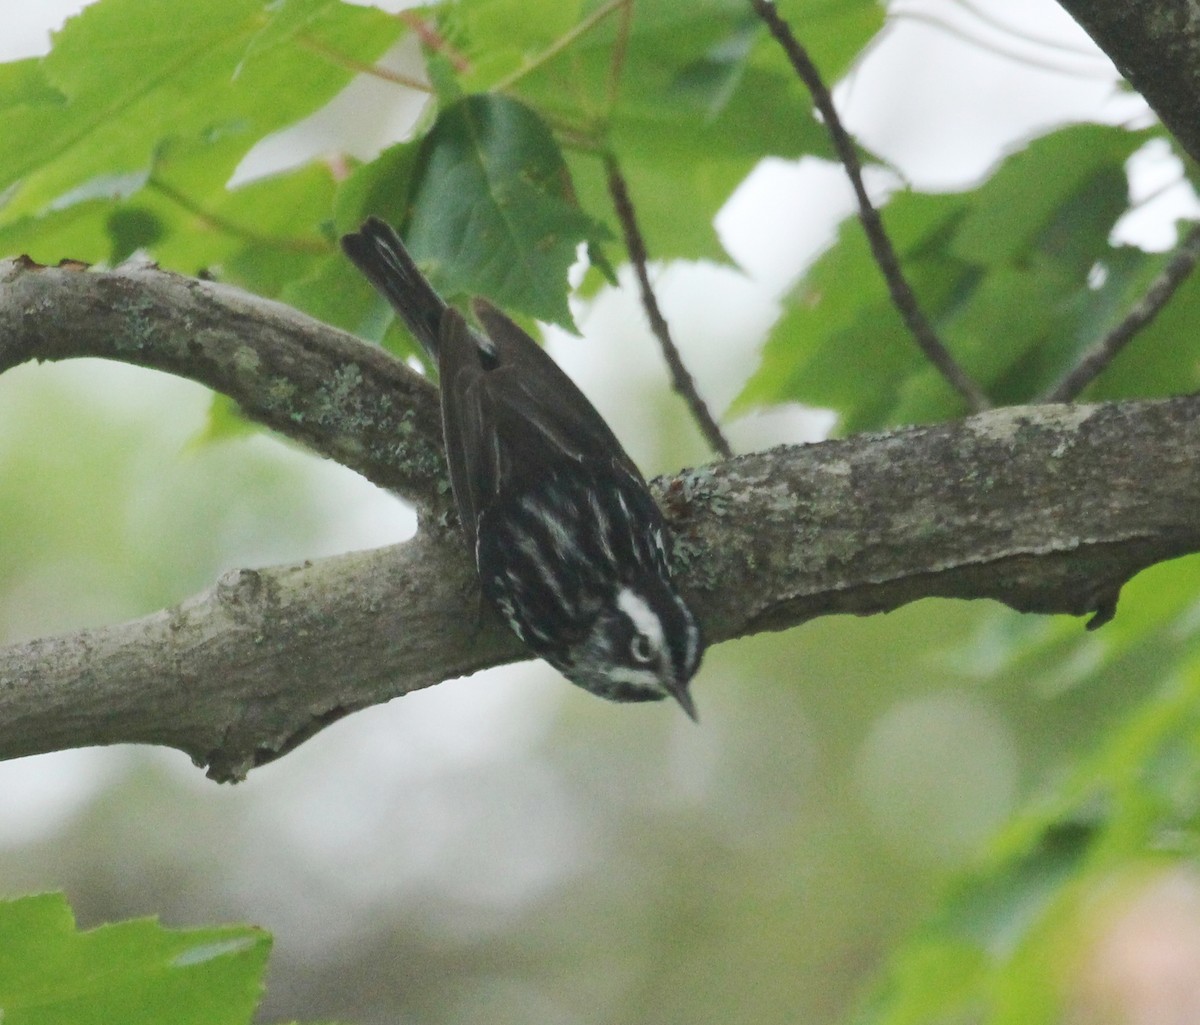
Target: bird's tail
x,y
376,250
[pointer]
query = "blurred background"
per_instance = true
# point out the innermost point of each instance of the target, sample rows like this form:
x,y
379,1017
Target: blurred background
x,y
506,848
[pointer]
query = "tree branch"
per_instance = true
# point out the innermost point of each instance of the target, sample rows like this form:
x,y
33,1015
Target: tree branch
x,y
327,389
240,674
1156,46
1096,360
902,295
682,381
1047,508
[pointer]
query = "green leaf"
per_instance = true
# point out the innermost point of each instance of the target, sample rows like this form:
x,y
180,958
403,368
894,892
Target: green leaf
x,y
262,235
333,291
1004,273
131,85
996,950
285,21
134,971
24,83
78,233
840,317
711,81
381,188
224,422
685,142
492,211
688,94
1164,358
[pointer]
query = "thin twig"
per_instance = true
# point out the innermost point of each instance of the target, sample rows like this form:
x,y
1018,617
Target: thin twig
x,y
881,246
681,380
1099,356
972,37
1027,35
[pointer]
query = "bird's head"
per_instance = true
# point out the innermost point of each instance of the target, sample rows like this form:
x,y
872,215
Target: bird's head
x,y
643,645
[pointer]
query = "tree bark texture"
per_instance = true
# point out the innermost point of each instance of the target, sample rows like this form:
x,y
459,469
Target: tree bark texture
x,y
1155,44
1047,509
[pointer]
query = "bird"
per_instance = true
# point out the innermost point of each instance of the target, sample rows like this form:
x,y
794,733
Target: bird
x,y
568,543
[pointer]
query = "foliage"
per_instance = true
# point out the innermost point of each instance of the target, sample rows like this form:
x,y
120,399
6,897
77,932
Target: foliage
x,y
103,162
125,137
130,972
1011,932
1007,272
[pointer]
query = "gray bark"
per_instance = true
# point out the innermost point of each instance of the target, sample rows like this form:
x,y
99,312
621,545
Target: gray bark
x,y
1155,44
1047,509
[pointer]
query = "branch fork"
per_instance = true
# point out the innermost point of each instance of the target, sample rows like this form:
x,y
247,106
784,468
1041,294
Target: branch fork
x,y
1045,508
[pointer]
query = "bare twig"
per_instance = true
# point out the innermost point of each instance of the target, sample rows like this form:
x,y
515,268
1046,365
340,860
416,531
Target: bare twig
x,y
1099,356
881,246
972,37
681,380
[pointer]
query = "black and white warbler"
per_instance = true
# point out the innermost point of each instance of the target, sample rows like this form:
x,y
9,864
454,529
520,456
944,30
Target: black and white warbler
x,y
568,543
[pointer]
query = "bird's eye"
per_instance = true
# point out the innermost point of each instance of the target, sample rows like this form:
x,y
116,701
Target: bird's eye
x,y
640,649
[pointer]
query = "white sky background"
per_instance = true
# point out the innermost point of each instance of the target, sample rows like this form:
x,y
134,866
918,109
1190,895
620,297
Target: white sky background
x,y
942,107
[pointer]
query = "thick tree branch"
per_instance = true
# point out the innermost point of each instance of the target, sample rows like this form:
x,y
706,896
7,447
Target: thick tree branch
x,y
241,673
327,389
1156,46
1048,509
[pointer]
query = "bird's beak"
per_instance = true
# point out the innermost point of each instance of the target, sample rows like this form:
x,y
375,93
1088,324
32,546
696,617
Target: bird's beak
x,y
681,695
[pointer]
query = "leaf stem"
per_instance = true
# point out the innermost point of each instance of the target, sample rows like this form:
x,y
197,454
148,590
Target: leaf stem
x,y
574,135
360,67
222,224
560,44
620,48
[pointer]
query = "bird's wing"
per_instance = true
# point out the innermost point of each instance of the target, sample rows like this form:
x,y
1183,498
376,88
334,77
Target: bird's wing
x,y
510,414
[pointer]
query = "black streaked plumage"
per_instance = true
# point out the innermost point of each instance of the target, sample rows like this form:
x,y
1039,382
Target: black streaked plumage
x,y
569,545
